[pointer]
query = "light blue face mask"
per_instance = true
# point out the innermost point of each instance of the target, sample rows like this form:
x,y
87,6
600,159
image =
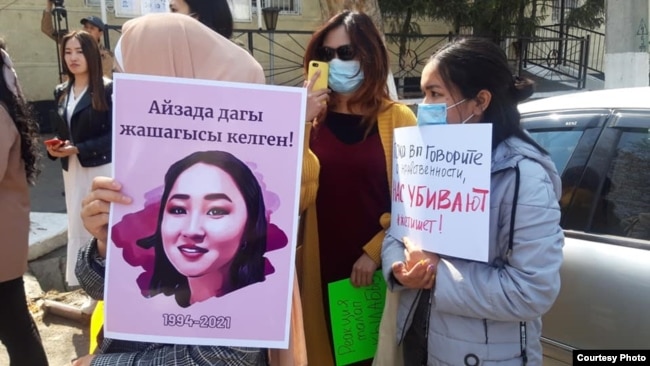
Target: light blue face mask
x,y
345,77
436,113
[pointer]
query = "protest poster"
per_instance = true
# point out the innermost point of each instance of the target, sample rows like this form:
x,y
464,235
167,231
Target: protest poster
x,y
240,9
441,188
204,254
355,314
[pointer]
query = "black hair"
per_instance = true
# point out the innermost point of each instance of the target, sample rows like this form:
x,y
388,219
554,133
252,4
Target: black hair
x,y
248,264
24,118
475,64
215,14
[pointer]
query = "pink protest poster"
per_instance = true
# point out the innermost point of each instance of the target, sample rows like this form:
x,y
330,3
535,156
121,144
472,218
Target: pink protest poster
x,y
440,195
204,254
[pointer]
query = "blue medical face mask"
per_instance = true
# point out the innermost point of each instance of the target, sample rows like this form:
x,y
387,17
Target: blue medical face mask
x,y
436,113
345,77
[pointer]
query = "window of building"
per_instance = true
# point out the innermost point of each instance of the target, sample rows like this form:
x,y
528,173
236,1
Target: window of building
x,y
285,6
109,3
568,5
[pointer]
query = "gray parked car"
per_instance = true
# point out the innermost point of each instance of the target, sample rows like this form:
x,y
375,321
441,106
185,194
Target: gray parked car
x,y
600,142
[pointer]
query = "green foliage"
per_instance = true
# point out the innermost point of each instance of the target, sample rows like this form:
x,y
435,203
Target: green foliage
x,y
590,15
489,18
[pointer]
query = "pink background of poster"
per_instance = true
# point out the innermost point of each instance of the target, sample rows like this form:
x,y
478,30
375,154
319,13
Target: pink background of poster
x,y
259,312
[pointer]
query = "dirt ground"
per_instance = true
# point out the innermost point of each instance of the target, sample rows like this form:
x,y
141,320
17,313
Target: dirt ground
x,y
64,339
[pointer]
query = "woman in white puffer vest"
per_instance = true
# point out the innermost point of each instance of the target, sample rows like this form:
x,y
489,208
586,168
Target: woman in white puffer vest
x,y
461,312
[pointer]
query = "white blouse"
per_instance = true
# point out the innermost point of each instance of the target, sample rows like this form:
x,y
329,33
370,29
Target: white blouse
x,y
72,102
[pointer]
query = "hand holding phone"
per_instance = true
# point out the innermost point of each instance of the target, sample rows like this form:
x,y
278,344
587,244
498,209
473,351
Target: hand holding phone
x,y
317,92
54,142
321,82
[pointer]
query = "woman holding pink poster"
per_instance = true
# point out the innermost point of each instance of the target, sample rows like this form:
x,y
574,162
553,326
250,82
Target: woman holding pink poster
x,y
185,55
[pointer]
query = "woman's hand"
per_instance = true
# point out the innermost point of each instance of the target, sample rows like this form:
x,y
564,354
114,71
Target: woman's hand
x,y
316,99
363,270
83,361
418,269
63,150
95,208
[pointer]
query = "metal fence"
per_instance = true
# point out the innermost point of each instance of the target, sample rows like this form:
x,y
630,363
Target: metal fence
x,y
557,59
596,44
281,54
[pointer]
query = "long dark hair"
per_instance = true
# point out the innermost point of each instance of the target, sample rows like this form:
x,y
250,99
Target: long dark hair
x,y
26,124
90,50
475,64
248,265
371,51
215,14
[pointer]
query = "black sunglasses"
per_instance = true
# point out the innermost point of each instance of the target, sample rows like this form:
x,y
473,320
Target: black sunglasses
x,y
344,53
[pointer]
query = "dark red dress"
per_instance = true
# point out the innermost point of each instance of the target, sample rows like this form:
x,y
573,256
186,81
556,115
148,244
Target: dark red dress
x,y
353,193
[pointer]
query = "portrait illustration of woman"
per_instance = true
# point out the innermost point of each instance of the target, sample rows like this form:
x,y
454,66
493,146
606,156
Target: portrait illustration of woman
x,y
211,231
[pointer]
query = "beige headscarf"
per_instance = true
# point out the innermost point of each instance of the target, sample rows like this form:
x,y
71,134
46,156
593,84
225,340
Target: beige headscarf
x,y
9,74
168,44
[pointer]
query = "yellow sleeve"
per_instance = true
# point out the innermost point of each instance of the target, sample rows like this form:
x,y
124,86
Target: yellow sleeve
x,y
310,173
402,116
373,247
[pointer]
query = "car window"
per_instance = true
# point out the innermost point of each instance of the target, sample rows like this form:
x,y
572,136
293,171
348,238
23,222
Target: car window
x,y
559,144
569,138
561,132
623,207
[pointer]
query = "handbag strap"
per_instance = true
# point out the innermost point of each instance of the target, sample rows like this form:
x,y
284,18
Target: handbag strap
x,y
522,325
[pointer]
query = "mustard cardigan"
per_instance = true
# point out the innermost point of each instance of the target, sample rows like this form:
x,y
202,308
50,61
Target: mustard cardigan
x,y
308,256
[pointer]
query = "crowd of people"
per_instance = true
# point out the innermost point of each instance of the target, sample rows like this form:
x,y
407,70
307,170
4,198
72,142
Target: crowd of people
x,y
439,310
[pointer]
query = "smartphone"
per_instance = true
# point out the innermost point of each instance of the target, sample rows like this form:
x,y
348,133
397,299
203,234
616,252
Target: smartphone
x,y
53,142
321,82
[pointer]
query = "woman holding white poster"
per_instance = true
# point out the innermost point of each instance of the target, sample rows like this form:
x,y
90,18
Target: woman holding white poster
x,y
461,312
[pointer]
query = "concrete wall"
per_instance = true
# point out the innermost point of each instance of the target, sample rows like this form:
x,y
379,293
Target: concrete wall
x,y
33,52
627,61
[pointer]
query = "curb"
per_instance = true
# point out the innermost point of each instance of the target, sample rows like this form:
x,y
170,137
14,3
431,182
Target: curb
x,y
48,232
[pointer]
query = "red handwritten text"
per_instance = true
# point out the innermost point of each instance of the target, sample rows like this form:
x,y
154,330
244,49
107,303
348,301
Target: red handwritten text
x,y
419,225
441,199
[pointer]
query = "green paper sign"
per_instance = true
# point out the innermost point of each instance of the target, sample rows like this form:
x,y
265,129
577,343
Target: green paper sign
x,y
356,314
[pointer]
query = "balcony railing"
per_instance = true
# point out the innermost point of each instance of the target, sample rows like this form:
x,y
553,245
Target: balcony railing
x,y
596,45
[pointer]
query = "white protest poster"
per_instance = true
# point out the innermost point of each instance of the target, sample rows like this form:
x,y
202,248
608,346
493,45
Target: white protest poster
x,y
154,6
127,8
441,188
240,9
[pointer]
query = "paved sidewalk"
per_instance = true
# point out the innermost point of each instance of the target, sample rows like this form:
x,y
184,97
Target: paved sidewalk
x,y
63,339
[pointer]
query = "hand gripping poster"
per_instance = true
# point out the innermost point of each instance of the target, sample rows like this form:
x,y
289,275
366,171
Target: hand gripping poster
x,y
440,196
204,254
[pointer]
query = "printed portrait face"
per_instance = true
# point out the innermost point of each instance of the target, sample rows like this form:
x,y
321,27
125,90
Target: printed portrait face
x,y
203,221
74,57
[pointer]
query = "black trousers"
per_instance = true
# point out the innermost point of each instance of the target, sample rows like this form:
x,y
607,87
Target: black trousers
x,y
18,332
415,339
